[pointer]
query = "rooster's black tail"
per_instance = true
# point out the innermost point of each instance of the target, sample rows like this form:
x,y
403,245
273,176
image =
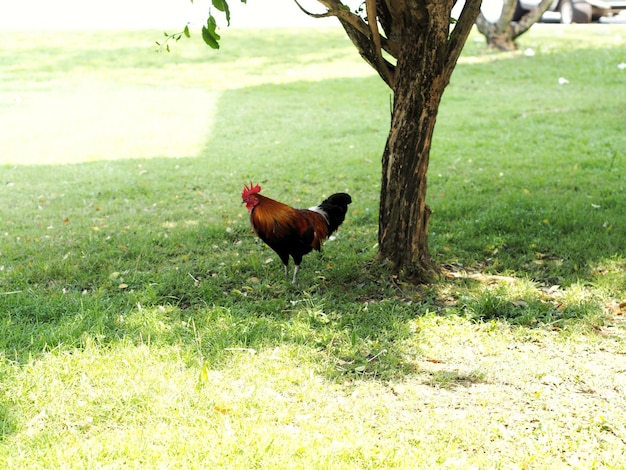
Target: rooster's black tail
x,y
335,208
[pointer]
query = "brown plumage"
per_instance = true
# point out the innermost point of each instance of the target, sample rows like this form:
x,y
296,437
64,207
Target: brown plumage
x,y
293,232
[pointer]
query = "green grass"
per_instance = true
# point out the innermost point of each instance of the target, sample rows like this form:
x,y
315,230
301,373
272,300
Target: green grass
x,y
143,325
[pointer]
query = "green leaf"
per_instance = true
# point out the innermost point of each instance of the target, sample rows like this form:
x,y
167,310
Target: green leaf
x,y
208,39
209,35
222,5
186,31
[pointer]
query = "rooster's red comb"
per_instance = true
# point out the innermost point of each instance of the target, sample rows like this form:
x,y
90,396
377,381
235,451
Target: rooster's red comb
x,y
247,191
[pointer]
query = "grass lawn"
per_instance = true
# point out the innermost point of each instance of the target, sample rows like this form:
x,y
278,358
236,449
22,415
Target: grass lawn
x,y
142,325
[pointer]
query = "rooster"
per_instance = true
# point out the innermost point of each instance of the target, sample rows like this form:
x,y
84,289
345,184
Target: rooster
x,y
293,232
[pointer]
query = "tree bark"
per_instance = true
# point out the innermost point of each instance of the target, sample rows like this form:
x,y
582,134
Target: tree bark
x,y
404,215
424,65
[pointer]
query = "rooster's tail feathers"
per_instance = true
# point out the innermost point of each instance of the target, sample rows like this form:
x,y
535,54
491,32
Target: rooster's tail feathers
x,y
334,209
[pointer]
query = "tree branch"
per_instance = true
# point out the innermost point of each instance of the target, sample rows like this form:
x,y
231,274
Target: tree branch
x,y
370,6
506,15
530,18
341,11
482,24
461,31
314,15
360,34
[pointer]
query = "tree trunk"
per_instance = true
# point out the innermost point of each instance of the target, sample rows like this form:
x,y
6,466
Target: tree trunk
x,y
512,23
500,41
404,214
498,38
419,35
499,34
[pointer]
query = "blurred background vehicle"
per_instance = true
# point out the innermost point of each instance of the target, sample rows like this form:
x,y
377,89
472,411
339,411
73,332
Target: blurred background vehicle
x,y
561,11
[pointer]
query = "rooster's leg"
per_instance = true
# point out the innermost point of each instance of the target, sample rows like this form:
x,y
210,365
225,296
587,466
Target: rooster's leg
x,y
286,271
295,273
